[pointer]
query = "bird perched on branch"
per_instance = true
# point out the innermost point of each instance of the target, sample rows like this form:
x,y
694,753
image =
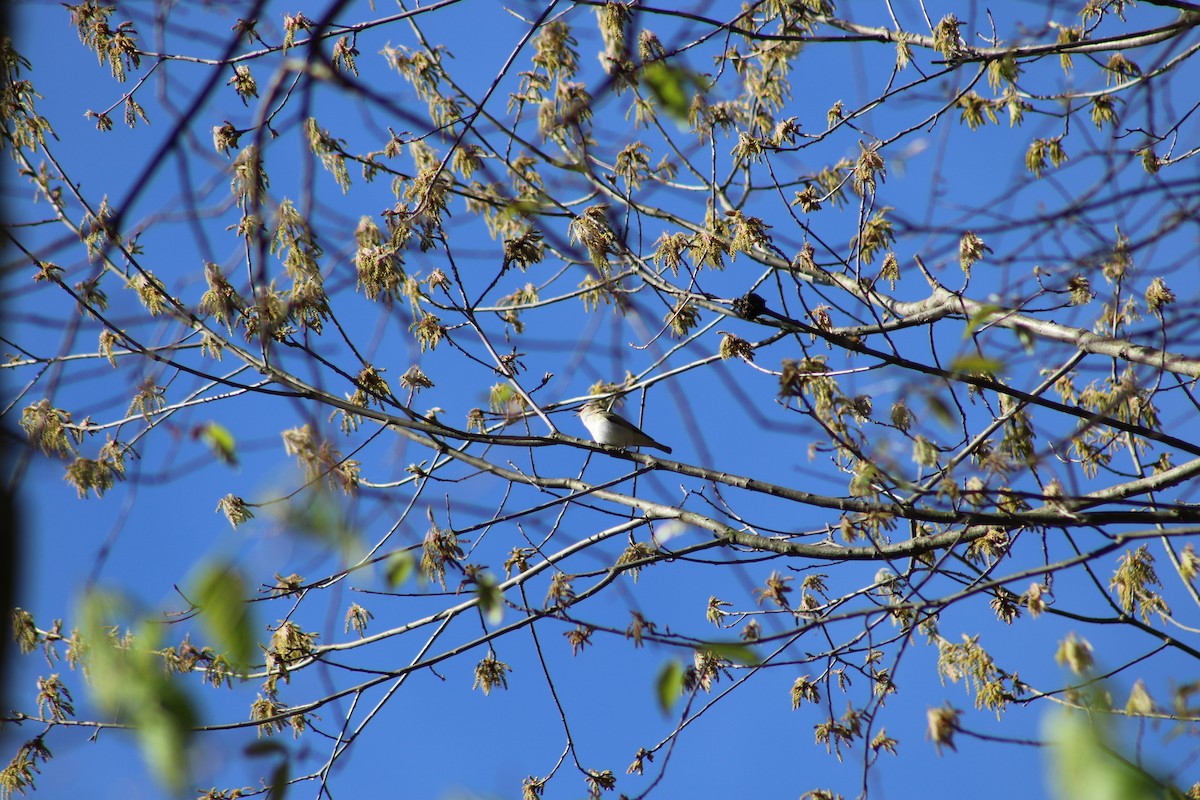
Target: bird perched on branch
x,y
613,430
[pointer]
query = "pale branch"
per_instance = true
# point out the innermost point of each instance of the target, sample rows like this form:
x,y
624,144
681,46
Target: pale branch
x,y
948,547
975,522
945,303
421,433
996,424
326,31
973,53
942,304
866,33
1090,417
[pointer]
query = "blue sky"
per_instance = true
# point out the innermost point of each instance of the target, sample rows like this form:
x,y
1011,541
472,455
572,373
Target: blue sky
x,y
436,737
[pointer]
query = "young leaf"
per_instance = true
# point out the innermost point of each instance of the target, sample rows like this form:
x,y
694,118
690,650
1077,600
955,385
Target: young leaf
x,y
220,591
669,684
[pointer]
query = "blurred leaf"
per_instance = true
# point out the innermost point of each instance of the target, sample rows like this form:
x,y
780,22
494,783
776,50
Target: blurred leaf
x,y
221,442
673,87
1085,767
321,516
128,680
668,530
265,747
980,317
500,397
736,652
1027,340
221,594
165,720
972,364
398,568
940,411
669,684
491,599
278,781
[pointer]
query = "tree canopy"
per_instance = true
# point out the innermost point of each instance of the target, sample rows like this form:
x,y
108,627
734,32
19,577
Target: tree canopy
x,y
908,288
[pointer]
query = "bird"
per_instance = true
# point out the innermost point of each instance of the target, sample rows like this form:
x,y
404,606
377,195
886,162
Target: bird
x,y
613,430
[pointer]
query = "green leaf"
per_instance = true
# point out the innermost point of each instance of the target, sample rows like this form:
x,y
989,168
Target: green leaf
x,y
264,748
221,594
491,599
736,652
971,364
398,568
322,517
1084,765
500,397
1026,339
983,315
165,722
673,87
278,781
128,679
940,411
221,442
668,686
